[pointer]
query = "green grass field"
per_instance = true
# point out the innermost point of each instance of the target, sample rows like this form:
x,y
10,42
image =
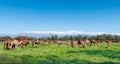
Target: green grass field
x,y
52,54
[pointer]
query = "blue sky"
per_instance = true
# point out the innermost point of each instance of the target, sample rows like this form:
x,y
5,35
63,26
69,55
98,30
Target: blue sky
x,y
59,15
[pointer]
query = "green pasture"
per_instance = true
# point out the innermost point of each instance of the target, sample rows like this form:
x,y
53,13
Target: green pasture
x,y
52,54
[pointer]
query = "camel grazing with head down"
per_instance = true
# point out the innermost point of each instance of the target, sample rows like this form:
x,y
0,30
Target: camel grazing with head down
x,y
11,44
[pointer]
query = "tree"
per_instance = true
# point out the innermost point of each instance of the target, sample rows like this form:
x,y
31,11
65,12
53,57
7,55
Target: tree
x,y
85,37
22,38
79,37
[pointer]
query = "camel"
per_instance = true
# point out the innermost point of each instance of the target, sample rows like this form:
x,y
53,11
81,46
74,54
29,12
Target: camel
x,y
24,43
36,42
93,42
11,44
108,43
86,42
79,42
7,44
72,43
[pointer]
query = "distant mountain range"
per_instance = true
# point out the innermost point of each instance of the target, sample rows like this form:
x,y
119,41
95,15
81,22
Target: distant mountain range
x,y
59,33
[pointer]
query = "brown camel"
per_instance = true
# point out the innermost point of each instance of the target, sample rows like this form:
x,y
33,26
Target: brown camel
x,y
72,44
36,42
79,42
108,43
24,42
7,44
93,42
86,42
11,44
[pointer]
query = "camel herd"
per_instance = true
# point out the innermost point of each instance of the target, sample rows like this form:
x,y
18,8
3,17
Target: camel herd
x,y
87,42
11,44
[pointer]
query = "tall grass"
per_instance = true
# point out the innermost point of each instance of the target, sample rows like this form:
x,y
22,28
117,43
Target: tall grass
x,y
52,54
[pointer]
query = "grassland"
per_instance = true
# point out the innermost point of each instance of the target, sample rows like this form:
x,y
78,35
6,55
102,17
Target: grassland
x,y
52,54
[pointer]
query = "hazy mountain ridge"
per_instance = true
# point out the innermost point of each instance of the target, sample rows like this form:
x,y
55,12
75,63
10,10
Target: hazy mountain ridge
x,y
59,33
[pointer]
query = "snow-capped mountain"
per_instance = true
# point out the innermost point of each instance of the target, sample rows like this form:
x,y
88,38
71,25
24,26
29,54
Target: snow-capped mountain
x,y
59,33
73,32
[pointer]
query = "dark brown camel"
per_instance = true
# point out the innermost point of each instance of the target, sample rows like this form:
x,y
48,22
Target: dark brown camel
x,y
79,42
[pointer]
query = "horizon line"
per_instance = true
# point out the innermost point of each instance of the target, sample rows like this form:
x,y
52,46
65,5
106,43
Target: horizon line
x,y
60,32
